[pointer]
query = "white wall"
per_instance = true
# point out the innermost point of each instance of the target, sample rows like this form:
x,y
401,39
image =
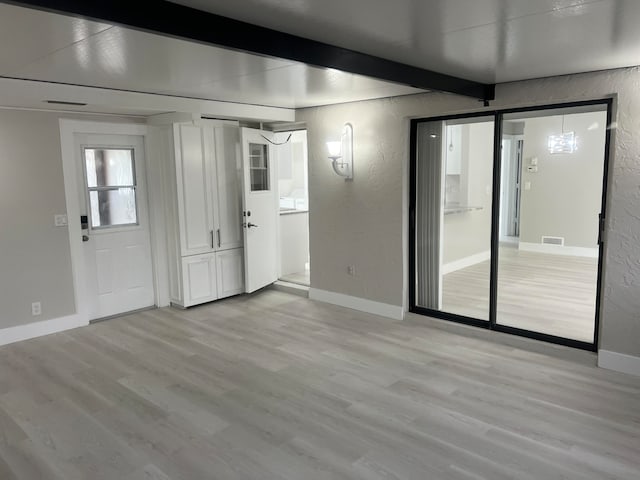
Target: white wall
x,y
565,195
361,222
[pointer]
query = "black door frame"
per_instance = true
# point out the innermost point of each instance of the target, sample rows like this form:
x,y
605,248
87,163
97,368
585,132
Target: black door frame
x,y
495,222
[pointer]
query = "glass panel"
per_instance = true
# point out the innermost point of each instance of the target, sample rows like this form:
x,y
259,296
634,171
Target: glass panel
x,y
453,216
551,193
108,167
113,207
259,167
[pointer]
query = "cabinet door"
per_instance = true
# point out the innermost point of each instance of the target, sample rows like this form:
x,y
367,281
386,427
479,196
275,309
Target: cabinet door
x,y
199,279
228,193
194,190
230,272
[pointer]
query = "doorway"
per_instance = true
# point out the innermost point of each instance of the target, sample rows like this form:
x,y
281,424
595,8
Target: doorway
x,y
293,206
509,210
128,140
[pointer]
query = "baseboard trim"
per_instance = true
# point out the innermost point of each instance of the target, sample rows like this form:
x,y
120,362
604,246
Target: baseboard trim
x,y
619,362
466,262
356,303
559,249
38,329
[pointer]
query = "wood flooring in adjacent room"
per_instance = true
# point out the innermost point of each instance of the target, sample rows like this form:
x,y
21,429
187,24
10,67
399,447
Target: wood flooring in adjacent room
x,y
275,386
541,292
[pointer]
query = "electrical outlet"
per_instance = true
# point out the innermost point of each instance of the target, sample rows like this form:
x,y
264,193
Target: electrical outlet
x,y
36,308
351,270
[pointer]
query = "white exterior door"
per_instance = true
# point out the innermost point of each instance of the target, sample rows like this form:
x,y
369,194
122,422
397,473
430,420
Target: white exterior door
x,y
260,209
116,243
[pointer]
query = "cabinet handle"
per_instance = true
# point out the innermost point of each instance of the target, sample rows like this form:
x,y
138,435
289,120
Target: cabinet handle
x,y
218,233
212,246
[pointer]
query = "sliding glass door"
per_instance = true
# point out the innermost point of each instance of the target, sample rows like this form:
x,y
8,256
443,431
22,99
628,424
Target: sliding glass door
x,y
506,222
453,216
552,184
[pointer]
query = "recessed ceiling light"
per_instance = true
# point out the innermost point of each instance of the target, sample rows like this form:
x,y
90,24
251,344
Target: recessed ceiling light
x,y
62,102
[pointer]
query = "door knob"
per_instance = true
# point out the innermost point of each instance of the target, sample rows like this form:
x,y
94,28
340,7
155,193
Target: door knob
x,y
85,238
249,225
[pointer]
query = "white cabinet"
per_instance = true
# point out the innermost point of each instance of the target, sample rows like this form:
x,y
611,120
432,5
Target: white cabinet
x,y
199,279
203,209
194,166
230,268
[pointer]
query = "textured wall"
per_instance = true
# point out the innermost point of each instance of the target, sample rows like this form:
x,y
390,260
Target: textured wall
x,y
361,223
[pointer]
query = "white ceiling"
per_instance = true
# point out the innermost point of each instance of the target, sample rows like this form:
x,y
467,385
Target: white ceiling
x,y
80,52
483,40
489,41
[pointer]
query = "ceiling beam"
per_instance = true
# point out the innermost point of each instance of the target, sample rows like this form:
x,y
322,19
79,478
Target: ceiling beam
x,y
177,21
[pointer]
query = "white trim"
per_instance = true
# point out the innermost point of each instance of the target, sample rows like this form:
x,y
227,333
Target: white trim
x,y
38,329
466,262
395,312
559,249
619,362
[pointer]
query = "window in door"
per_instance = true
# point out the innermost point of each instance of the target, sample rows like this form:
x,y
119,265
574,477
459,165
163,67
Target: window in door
x,y
259,167
111,185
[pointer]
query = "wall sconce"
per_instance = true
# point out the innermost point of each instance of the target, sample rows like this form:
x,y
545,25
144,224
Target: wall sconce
x,y
341,153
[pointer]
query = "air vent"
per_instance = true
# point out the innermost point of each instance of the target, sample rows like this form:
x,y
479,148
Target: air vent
x,y
553,240
62,102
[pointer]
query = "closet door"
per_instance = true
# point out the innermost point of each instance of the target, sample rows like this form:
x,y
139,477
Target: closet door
x,y
194,190
228,232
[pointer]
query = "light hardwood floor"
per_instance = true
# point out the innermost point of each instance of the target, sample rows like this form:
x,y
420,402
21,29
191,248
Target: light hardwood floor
x,y
275,386
552,294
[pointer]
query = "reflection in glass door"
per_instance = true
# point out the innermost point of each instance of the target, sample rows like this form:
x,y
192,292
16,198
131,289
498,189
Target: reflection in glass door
x,y
506,229
453,216
548,267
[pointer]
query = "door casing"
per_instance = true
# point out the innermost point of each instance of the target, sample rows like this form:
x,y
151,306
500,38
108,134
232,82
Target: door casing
x,y
68,128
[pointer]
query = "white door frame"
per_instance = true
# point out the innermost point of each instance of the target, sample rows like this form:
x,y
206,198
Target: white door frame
x,y
68,128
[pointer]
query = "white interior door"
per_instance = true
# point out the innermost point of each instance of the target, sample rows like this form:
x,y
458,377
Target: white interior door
x,y
116,243
260,209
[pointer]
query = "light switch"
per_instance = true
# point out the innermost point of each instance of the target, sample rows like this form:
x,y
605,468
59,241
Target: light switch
x,y
527,185
534,161
60,220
